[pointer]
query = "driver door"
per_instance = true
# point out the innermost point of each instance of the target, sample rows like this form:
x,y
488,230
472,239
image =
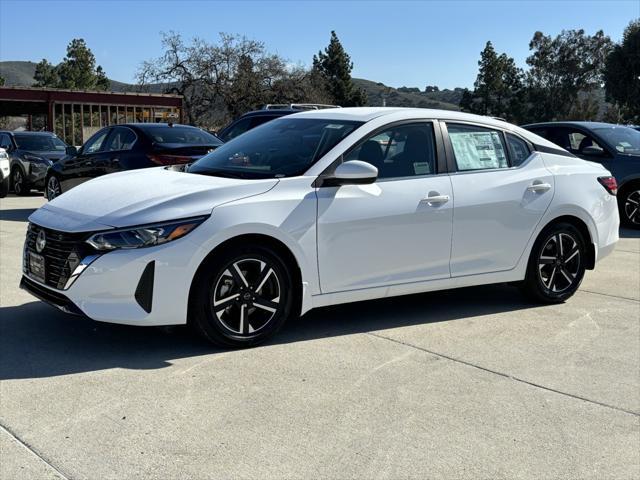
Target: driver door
x,y
396,230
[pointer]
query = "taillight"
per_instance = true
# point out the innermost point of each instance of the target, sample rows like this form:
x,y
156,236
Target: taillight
x,y
609,184
169,159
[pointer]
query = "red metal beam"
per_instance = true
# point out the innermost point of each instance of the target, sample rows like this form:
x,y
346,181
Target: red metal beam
x,y
26,94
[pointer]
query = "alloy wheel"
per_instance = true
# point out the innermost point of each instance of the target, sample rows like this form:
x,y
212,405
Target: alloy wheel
x,y
246,296
559,262
17,181
53,188
632,207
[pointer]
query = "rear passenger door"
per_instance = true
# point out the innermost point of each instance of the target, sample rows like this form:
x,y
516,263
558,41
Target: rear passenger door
x,y
501,190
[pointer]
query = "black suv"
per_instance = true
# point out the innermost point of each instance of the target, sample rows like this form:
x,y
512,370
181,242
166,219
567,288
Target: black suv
x,y
129,146
270,112
30,155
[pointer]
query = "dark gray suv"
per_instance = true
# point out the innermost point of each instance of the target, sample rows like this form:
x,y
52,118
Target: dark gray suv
x,y
615,146
31,154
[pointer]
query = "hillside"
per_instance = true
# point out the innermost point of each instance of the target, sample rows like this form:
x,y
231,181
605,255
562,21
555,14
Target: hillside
x,y
445,99
18,73
21,74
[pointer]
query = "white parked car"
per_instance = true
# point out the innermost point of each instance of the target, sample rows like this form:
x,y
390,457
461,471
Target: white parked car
x,y
321,208
4,173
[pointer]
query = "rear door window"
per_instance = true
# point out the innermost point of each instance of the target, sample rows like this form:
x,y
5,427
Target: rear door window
x,y
477,148
94,144
121,139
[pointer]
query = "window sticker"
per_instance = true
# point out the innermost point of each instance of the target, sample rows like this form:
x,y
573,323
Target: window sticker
x,y
478,150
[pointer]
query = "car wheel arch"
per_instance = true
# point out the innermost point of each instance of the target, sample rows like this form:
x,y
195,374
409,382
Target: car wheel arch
x,y
263,240
627,184
584,231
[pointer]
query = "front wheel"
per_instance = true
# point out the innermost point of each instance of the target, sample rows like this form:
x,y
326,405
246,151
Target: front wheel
x,y
4,187
556,265
242,297
630,208
53,188
20,186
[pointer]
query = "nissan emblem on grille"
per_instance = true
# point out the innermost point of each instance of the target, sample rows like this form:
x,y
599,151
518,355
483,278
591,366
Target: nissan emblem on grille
x,y
41,241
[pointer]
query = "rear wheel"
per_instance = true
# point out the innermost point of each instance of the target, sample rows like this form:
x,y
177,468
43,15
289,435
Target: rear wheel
x,y
556,265
53,188
19,182
243,296
629,202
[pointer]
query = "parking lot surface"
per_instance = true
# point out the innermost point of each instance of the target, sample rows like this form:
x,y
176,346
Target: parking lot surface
x,y
473,383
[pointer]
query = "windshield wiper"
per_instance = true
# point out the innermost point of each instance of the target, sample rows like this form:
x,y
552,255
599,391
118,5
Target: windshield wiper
x,y
219,173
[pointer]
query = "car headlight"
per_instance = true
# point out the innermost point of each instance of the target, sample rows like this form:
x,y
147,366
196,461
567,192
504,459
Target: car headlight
x,y
144,236
35,158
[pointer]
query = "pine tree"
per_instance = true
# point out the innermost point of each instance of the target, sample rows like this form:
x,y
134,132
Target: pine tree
x,y
45,75
622,73
77,70
498,87
334,67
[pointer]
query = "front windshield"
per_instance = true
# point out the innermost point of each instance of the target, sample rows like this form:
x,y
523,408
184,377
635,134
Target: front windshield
x,y
40,143
284,147
623,139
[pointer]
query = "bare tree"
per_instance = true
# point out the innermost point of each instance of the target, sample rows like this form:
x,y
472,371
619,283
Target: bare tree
x,y
223,80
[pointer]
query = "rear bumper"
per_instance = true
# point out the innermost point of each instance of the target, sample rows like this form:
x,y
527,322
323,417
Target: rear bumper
x,y
49,296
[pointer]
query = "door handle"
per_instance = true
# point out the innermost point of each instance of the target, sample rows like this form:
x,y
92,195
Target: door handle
x,y
436,199
538,186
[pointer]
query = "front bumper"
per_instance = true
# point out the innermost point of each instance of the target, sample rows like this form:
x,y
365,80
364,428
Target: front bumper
x,y
144,287
37,173
4,168
48,295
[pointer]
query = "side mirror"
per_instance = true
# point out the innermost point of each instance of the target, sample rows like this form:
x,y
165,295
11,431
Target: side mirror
x,y
353,172
71,151
592,151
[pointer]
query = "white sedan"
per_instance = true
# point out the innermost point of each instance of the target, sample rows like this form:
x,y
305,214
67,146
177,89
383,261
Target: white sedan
x,y
321,208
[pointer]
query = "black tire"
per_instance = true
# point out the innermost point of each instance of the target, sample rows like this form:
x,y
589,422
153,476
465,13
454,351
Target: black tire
x,y
266,296
629,206
19,183
547,260
51,183
4,187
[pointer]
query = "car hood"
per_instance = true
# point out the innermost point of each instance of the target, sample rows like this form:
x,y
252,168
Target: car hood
x,y
141,197
53,155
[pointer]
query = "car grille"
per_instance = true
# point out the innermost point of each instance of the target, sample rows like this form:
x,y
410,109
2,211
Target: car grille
x,y
62,253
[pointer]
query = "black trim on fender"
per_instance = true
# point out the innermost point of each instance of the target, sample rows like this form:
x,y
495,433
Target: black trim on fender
x,y
54,299
144,290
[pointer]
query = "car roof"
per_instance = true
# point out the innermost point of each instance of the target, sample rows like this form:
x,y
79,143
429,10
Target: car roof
x,y
278,112
26,132
587,125
365,114
152,125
